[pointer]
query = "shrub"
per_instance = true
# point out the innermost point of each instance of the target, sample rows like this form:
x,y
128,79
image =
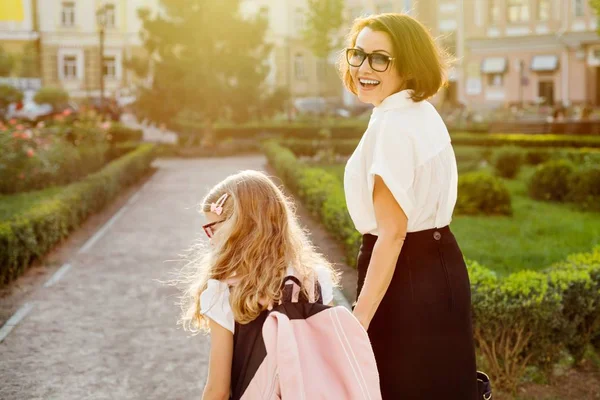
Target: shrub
x,y
531,318
584,187
32,233
119,133
53,96
579,279
320,192
507,162
537,156
551,180
38,158
515,324
481,193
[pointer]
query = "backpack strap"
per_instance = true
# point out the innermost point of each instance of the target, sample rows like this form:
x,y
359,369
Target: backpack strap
x,y
292,291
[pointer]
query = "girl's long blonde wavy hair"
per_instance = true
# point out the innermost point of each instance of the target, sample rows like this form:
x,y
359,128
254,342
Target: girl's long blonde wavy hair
x,y
259,238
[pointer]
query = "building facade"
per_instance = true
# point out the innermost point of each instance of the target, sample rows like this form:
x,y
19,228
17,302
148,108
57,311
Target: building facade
x,y
531,51
65,35
292,64
70,44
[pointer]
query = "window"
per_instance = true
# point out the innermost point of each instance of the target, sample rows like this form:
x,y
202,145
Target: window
x,y
110,15
70,67
110,67
518,10
68,13
495,80
299,66
543,10
578,8
494,9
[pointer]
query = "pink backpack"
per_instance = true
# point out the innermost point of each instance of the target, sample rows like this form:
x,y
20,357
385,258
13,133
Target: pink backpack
x,y
313,351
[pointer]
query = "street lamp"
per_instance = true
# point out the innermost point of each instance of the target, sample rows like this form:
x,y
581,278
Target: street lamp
x,y
101,21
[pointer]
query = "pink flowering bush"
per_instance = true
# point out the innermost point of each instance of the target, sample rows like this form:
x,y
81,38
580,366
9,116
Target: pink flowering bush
x,y
33,158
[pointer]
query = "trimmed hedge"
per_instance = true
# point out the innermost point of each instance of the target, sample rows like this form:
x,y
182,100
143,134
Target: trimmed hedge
x,y
31,234
481,193
537,153
508,161
528,319
531,318
584,187
320,192
119,133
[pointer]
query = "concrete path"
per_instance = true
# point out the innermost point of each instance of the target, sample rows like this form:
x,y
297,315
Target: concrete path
x,y
107,329
104,327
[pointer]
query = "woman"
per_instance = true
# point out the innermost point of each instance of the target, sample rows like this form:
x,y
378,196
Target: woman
x,y
401,185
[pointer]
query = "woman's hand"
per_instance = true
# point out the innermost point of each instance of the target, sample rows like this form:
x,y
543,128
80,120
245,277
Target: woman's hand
x,y
392,224
363,321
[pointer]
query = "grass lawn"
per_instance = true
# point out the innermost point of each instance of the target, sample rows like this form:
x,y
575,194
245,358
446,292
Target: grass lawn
x,y
537,235
11,205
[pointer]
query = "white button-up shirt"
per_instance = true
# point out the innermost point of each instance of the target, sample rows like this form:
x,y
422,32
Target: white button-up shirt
x,y
407,144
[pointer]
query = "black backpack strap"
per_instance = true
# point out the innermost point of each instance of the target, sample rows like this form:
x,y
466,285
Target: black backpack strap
x,y
292,291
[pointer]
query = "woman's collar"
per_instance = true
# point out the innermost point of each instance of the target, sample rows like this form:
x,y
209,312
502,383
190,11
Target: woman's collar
x,y
397,100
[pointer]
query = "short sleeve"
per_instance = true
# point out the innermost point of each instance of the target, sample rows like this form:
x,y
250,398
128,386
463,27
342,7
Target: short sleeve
x,y
394,160
214,304
324,277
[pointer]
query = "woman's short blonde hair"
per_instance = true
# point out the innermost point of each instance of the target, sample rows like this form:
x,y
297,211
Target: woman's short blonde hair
x,y
419,61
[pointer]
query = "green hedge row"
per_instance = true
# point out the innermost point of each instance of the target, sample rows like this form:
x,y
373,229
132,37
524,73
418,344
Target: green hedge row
x,y
119,133
527,319
531,319
352,129
31,234
320,192
533,152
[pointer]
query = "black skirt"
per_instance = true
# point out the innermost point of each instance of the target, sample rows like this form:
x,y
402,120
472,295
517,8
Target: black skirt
x,y
422,333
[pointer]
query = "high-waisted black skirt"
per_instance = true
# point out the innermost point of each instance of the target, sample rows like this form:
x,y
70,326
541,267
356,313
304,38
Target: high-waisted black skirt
x,y
422,333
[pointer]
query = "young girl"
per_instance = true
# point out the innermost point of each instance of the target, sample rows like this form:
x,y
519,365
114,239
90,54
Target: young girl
x,y
255,242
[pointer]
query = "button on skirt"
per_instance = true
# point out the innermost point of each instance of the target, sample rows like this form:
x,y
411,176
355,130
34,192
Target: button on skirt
x,y
422,332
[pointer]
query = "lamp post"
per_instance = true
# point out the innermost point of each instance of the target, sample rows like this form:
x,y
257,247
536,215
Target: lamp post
x,y
101,21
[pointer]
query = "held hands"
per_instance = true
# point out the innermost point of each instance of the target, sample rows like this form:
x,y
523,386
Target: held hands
x,y
364,321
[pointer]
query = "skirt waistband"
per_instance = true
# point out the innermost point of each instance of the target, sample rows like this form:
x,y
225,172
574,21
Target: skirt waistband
x,y
439,235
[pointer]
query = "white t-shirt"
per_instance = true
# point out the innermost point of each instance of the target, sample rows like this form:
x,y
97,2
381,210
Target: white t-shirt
x,y
214,301
407,144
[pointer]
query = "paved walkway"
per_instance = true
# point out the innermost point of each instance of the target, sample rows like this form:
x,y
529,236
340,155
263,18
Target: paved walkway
x,y
107,329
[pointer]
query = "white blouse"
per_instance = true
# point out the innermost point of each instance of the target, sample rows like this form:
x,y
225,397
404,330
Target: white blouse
x,y
214,300
407,144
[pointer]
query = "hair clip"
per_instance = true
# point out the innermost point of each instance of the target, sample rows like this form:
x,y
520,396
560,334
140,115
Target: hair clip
x,y
217,207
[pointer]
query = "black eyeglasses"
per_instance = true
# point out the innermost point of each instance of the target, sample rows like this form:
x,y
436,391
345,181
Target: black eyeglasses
x,y
378,61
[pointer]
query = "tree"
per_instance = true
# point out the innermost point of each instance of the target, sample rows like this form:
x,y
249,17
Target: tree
x,y
7,63
56,97
204,56
324,19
